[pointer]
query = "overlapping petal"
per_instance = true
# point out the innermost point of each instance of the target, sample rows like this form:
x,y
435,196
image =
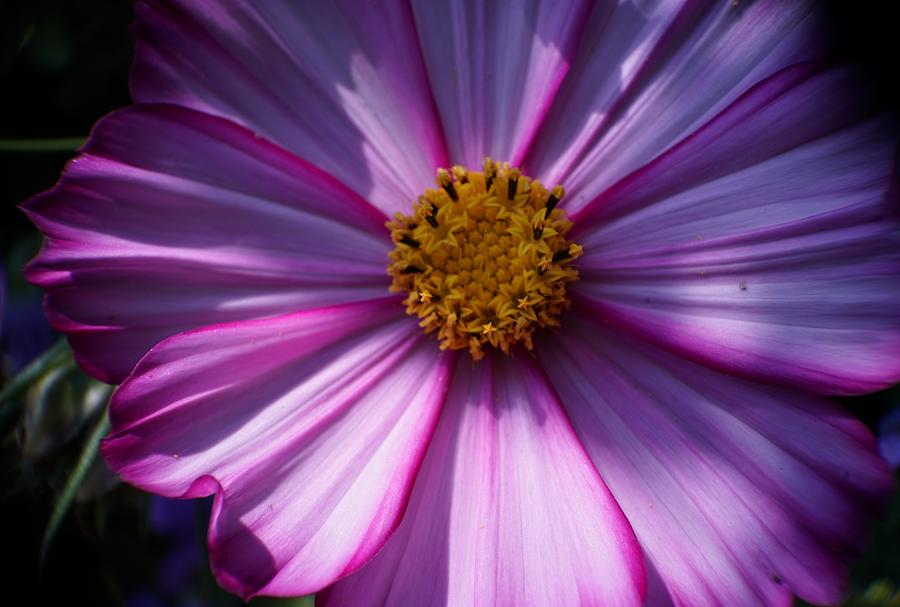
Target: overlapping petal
x,y
172,219
339,83
495,68
650,73
766,244
308,427
507,509
739,493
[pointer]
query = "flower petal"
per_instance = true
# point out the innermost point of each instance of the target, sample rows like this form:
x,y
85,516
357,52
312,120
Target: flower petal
x,y
173,219
765,244
651,73
339,83
507,509
308,427
495,68
740,494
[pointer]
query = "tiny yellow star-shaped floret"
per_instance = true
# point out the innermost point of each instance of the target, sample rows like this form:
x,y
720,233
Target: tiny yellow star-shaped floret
x,y
484,258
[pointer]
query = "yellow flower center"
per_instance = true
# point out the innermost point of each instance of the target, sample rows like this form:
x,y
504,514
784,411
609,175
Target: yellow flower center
x,y
484,259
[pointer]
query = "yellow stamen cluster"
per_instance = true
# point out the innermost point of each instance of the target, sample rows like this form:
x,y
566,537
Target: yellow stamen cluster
x,y
485,258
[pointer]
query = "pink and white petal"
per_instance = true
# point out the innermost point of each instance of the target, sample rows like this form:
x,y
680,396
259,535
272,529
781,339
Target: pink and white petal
x,y
495,69
651,73
308,427
341,84
507,509
172,219
765,245
740,494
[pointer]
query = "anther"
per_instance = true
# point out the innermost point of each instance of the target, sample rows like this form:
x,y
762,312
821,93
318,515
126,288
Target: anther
x,y
512,183
429,215
538,230
562,255
553,200
444,180
461,174
409,241
490,169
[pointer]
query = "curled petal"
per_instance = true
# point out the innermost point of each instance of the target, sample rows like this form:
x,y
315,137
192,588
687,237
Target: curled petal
x,y
309,428
171,219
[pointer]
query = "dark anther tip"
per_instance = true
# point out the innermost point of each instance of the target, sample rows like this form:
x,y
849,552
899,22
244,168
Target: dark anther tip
x,y
561,255
451,192
410,241
551,204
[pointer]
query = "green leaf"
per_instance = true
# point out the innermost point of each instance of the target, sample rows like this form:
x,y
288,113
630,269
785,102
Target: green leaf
x,y
76,478
57,406
879,594
58,354
268,601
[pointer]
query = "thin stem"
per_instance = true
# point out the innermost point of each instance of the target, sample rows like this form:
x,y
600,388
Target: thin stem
x,y
56,144
53,356
75,480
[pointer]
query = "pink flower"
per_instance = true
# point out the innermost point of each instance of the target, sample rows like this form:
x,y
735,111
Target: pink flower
x,y
219,248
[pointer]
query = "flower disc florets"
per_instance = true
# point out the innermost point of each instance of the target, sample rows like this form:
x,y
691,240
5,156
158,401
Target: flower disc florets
x,y
485,258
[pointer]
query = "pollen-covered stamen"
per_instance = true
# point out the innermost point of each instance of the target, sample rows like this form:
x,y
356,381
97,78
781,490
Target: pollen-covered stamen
x,y
489,169
409,241
427,212
490,262
447,183
555,195
512,181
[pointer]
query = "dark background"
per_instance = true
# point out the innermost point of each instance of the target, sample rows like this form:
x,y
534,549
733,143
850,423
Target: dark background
x,y
63,64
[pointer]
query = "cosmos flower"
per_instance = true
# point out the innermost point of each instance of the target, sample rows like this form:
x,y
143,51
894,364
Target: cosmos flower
x,y
621,396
